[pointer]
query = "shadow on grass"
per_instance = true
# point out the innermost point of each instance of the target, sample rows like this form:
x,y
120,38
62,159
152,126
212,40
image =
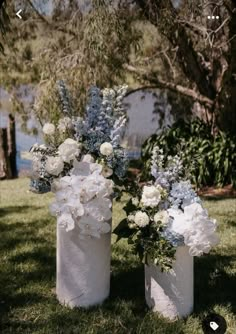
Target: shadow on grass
x,y
214,283
17,209
128,283
31,263
20,232
217,198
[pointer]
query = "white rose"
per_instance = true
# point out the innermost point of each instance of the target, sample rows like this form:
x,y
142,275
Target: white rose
x,y
141,219
106,171
68,150
151,196
106,149
135,201
49,129
161,216
54,165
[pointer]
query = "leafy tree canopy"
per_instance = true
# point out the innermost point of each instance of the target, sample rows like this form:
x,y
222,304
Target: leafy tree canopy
x,y
150,44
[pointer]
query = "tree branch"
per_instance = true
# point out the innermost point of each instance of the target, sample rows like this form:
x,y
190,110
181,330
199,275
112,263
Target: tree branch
x,y
142,88
164,16
159,83
49,24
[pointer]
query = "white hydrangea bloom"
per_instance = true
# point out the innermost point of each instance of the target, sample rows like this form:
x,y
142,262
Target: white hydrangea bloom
x,y
69,150
54,165
99,209
141,219
196,227
85,195
49,129
151,196
106,149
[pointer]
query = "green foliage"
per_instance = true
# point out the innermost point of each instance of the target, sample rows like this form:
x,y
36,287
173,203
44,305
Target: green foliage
x,y
147,242
28,269
210,159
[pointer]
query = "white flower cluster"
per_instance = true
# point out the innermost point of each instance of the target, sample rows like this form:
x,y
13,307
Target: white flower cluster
x,y
195,226
141,219
151,196
67,152
106,149
171,205
49,129
189,223
84,198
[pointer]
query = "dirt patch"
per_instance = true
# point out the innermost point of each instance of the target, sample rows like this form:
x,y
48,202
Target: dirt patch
x,y
226,191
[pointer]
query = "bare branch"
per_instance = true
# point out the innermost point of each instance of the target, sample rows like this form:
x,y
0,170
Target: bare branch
x,y
141,88
159,83
164,16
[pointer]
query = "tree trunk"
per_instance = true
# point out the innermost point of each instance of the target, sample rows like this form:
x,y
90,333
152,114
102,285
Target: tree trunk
x,y
8,169
227,112
219,85
4,161
11,143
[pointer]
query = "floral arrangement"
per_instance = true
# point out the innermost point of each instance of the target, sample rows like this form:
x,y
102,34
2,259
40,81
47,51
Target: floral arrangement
x,y
82,160
166,213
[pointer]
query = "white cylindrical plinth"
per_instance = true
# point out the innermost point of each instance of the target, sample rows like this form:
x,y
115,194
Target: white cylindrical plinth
x,y
171,293
83,268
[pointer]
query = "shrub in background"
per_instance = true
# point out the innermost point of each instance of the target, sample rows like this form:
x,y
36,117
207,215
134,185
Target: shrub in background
x,y
210,159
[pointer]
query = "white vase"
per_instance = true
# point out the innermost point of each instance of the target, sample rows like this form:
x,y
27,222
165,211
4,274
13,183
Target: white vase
x,y
83,268
171,293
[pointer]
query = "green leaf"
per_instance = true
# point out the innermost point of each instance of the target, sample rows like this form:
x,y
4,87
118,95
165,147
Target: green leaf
x,y
122,230
129,207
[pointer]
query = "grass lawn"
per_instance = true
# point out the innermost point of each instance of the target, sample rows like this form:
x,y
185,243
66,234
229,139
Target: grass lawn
x,y
27,275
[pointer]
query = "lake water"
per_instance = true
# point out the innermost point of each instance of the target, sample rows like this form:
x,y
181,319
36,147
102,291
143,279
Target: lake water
x,y
142,123
23,143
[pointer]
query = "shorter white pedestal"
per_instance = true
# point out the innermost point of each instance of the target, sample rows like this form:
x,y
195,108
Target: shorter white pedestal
x,y
171,293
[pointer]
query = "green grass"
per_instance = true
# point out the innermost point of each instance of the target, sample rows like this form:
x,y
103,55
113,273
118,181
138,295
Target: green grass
x,y
27,275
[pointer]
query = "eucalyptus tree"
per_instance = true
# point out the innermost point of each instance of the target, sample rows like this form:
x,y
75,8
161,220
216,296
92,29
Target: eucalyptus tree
x,y
4,23
199,51
148,43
